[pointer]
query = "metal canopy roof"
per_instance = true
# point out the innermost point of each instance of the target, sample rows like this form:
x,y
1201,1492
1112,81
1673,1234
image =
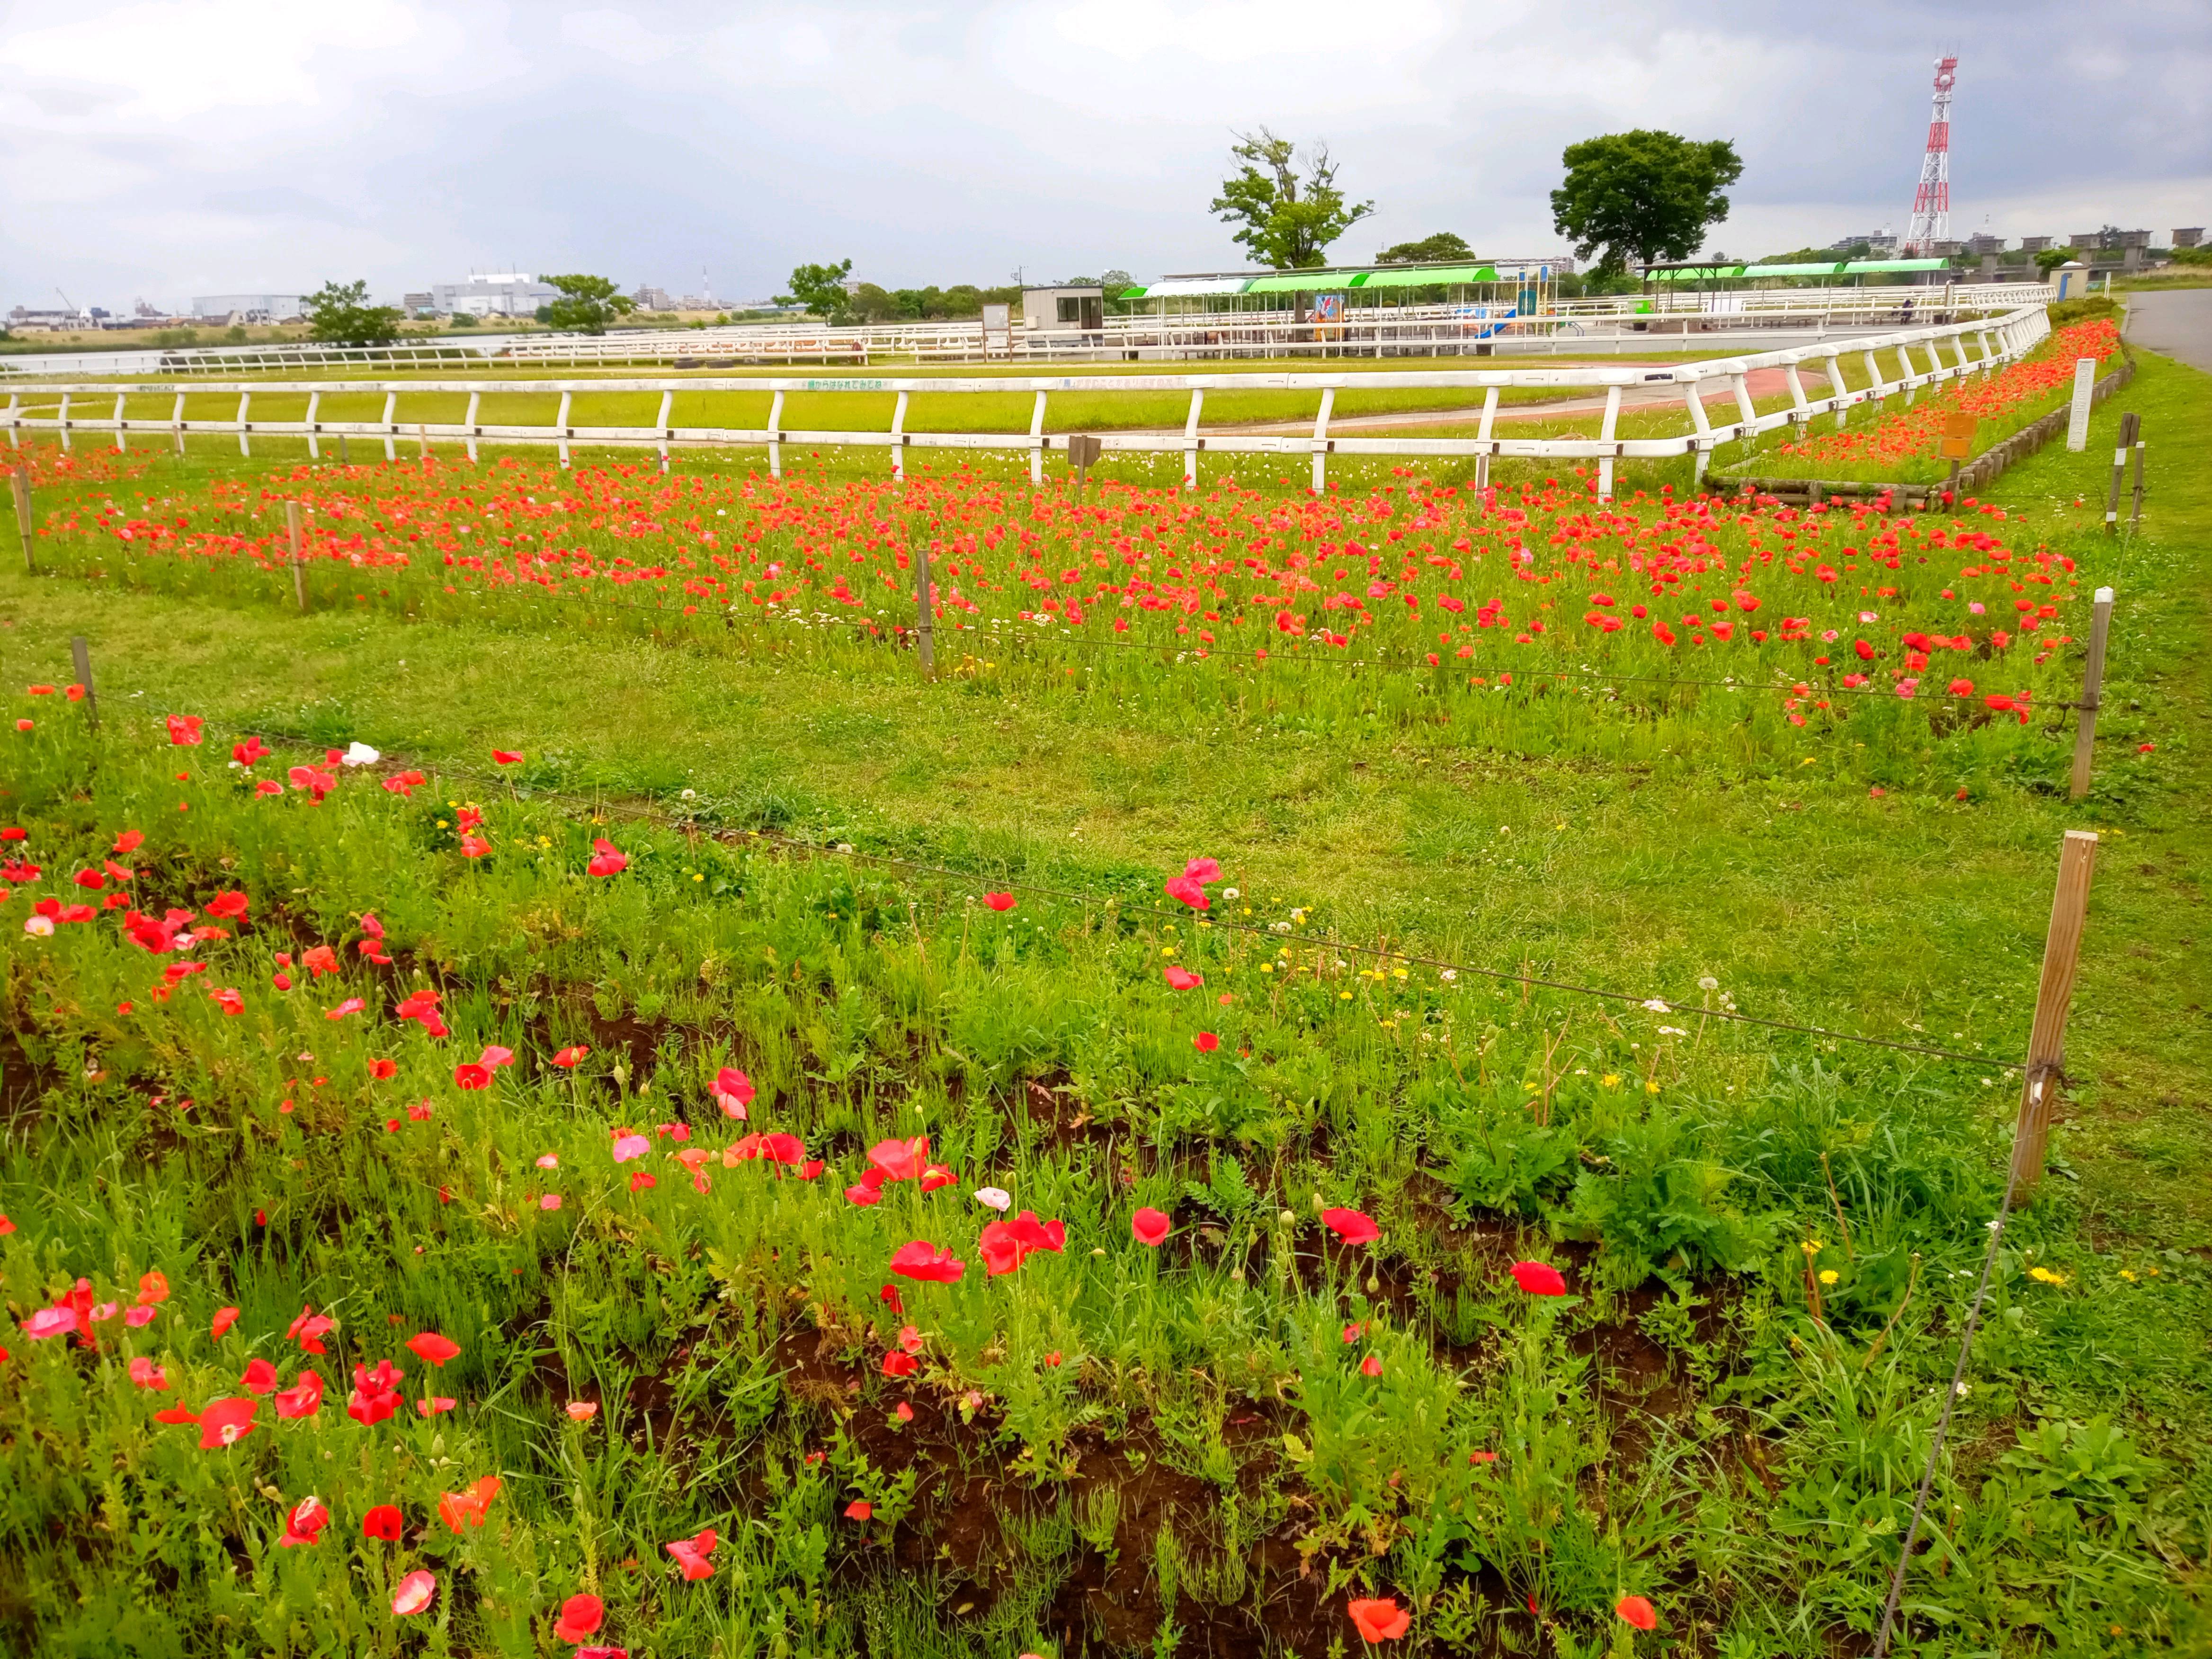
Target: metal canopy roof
x,y
1853,267
1420,277
1828,269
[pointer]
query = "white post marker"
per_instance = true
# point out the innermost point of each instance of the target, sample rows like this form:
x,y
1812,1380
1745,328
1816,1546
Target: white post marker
x,y
314,444
775,432
898,443
560,420
1483,435
1605,434
1190,439
1321,440
2085,388
391,427
1036,442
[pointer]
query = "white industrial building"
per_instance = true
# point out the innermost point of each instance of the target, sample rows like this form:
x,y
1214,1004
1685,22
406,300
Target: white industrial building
x,y
493,294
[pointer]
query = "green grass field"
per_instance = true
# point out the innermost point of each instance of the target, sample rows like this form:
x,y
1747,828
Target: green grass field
x,y
1210,1446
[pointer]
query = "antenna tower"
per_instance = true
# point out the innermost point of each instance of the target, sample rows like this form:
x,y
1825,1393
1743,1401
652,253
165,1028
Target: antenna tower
x,y
1931,203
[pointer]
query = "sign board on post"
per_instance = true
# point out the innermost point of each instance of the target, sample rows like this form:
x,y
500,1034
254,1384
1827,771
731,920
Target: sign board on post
x,y
1082,450
1958,440
2085,386
998,328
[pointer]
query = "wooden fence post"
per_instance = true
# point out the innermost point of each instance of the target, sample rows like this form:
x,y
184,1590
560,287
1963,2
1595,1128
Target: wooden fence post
x,y
20,482
2119,470
2134,517
923,598
2054,996
298,570
2092,687
81,652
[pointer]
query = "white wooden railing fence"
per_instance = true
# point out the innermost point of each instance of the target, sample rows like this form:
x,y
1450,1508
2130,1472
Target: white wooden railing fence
x,y
1890,365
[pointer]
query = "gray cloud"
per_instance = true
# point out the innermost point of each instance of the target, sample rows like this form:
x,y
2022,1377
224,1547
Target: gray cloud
x,y
169,148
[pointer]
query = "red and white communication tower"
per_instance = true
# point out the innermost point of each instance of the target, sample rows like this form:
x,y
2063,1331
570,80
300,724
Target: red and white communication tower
x,y
1931,203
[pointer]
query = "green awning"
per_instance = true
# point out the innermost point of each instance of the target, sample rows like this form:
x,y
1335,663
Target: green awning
x,y
1854,267
1136,293
1295,283
1828,269
1694,274
1418,276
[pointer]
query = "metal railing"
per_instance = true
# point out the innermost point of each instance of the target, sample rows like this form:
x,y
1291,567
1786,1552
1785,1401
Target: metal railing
x,y
1609,322
1992,341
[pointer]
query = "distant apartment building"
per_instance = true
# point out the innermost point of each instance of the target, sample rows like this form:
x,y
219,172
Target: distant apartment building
x,y
1879,243
655,299
247,308
493,294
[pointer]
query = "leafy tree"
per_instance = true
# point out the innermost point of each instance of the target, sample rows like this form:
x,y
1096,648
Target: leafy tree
x,y
1430,250
339,313
1642,195
1114,279
587,304
820,288
465,319
2051,258
1288,222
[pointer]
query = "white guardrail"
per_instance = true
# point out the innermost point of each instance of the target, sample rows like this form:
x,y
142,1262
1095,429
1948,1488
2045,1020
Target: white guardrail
x,y
1615,322
1976,346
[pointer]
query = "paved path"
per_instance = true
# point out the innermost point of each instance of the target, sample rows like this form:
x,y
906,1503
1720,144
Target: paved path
x,y
2177,322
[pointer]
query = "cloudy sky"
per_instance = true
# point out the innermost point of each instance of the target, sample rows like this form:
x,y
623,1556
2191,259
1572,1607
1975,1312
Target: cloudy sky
x,y
169,147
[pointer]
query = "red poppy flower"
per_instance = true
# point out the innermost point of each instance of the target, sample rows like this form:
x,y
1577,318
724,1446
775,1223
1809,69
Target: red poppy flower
x,y
1637,1612
414,1593
226,1422
224,1319
147,1374
691,1554
1000,901
1370,1366
900,1160
260,1377
228,904
1205,1043
581,1616
608,859
1181,978
1351,1226
1379,1621
375,1393
859,1510
184,729
506,758
1149,1226
381,1069
246,753
928,1262
469,1075
1187,889
305,1523
733,1091
303,1399
384,1521
458,1509
1004,1245
900,1364
566,1059
432,1349
1539,1278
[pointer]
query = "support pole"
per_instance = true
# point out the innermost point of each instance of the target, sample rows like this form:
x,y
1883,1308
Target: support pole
x,y
667,403
314,441
1483,432
560,420
475,400
63,417
19,484
898,439
2092,689
81,652
177,421
775,433
2135,516
292,528
121,442
1190,440
925,605
1702,445
2054,996
1037,444
2119,472
1836,389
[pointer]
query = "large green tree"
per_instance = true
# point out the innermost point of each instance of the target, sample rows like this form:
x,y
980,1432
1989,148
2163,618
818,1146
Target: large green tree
x,y
340,314
1642,195
587,304
1288,221
1430,250
820,288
